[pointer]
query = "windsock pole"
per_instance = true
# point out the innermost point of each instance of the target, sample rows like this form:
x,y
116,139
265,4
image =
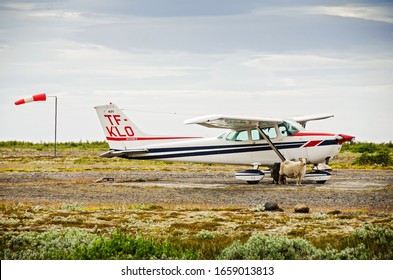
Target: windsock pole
x,y
41,97
55,123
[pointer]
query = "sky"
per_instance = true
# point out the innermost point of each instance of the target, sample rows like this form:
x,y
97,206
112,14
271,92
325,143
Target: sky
x,y
165,61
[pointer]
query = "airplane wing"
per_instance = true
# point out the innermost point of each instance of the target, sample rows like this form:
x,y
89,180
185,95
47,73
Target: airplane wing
x,y
124,153
232,122
304,119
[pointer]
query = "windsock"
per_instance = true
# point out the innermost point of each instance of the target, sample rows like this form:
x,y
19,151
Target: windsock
x,y
37,97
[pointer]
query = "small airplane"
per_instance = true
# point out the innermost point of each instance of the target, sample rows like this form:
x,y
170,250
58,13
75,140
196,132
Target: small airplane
x,y
248,141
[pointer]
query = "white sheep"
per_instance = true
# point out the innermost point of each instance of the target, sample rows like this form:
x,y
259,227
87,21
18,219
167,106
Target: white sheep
x,y
293,169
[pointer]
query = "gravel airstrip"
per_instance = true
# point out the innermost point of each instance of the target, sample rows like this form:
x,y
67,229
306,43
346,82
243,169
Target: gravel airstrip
x,y
371,189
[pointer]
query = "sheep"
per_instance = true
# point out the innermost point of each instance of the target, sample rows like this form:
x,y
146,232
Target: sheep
x,y
293,169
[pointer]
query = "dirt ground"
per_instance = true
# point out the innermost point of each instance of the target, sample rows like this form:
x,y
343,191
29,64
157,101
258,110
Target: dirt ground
x,y
348,189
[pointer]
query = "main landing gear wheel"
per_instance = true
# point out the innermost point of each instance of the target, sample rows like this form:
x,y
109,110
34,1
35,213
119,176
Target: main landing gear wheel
x,y
321,182
251,176
318,176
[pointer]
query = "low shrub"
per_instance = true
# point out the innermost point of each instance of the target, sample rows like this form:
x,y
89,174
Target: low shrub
x,y
378,242
75,244
265,247
371,154
124,246
382,158
366,147
204,234
367,243
364,244
57,245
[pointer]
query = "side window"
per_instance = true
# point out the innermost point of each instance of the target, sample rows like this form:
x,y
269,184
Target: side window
x,y
255,135
270,132
238,136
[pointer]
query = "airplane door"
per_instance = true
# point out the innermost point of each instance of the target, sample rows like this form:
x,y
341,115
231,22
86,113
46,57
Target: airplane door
x,y
288,141
266,155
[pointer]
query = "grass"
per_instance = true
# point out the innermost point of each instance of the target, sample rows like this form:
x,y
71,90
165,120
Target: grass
x,y
31,158
61,146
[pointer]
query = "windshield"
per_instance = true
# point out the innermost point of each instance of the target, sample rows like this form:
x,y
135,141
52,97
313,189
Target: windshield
x,y
288,128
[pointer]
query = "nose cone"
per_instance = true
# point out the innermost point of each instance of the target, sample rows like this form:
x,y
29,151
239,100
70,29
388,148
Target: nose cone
x,y
346,138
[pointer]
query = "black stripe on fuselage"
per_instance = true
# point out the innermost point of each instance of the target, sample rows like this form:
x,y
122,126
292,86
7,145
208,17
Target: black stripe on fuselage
x,y
214,150
328,142
194,148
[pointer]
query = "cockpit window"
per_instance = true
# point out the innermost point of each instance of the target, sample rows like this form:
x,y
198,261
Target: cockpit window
x,y
269,131
288,128
241,135
255,135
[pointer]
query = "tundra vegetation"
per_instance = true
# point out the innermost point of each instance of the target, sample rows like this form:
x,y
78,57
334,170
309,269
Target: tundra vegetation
x,y
34,229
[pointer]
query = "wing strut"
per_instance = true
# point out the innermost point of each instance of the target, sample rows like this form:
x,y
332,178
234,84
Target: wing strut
x,y
274,148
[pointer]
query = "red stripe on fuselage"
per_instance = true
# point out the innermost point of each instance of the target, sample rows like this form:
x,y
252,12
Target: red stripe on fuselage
x,y
147,138
312,143
312,133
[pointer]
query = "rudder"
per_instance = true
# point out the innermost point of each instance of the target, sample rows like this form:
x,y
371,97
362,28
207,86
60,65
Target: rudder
x,y
117,126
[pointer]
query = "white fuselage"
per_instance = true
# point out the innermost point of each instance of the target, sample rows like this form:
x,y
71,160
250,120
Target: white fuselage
x,y
219,150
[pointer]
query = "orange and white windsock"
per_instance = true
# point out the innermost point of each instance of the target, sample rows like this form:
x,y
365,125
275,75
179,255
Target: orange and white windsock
x,y
37,97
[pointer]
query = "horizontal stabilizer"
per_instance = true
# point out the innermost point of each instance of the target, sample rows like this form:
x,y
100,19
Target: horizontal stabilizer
x,y
123,153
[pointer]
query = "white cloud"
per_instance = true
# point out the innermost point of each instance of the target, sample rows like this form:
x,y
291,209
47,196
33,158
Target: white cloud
x,y
24,6
376,13
55,14
292,62
104,61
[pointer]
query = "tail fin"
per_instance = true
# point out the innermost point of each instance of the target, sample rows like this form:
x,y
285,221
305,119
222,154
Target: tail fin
x,y
117,127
